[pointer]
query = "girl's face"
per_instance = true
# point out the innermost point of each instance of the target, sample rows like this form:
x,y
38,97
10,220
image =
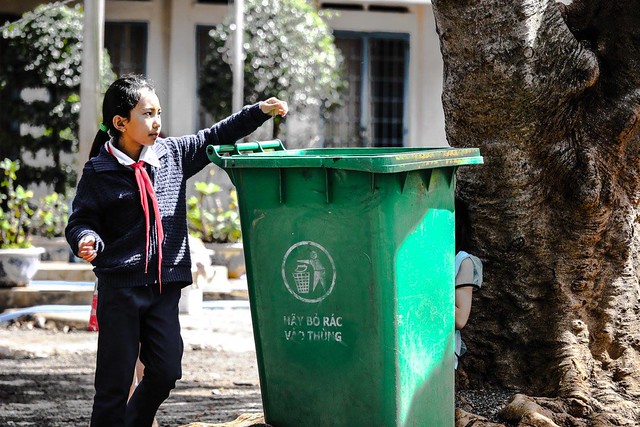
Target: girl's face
x,y
143,125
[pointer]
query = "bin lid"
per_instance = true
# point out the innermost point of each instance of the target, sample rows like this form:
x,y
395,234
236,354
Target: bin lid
x,y
380,160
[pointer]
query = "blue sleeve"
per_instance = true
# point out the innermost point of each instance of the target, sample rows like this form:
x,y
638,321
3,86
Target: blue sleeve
x,y
226,131
84,218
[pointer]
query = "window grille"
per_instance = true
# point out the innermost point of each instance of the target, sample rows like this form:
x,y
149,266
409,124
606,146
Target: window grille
x,y
203,40
126,43
373,111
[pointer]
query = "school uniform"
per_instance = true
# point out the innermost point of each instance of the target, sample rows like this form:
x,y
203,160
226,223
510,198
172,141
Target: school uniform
x,y
141,264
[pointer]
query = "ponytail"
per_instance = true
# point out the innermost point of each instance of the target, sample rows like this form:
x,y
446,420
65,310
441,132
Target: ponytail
x,y
101,137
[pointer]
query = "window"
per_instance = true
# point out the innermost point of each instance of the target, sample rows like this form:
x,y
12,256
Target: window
x,y
387,86
370,8
342,6
6,18
203,40
373,114
343,127
126,43
7,95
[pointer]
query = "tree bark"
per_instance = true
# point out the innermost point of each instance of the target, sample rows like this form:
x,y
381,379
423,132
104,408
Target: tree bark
x,y
550,94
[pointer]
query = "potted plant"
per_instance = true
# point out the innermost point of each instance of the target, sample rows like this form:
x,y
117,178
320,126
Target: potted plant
x,y
47,227
217,223
19,259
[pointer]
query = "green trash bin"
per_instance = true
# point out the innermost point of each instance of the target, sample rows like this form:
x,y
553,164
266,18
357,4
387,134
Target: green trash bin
x,y
350,268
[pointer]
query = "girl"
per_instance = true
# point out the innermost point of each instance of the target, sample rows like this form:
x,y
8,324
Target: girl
x,y
129,220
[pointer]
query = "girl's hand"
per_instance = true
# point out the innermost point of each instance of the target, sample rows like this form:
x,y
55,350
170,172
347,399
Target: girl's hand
x,y
273,106
87,248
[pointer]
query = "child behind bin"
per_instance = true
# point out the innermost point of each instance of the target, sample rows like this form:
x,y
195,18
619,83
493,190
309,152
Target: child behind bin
x,y
468,271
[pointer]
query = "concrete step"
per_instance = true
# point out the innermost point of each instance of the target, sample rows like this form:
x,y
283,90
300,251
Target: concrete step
x,y
46,293
64,283
52,292
82,271
65,271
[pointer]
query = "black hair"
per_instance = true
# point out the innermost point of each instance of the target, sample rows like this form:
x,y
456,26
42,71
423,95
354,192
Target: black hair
x,y
121,97
462,226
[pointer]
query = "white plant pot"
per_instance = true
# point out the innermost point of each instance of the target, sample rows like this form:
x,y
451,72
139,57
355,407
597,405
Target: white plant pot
x,y
191,301
18,266
56,248
230,255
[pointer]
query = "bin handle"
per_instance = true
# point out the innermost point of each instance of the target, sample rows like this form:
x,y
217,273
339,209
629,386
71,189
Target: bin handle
x,y
217,152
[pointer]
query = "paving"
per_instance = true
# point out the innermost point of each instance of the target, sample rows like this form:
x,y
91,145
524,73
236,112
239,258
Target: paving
x,y
61,294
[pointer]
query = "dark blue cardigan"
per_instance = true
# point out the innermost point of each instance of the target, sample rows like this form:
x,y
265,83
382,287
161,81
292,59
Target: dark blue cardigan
x,y
107,205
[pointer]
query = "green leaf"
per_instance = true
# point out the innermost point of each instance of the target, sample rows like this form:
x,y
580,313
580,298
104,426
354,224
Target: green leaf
x,y
302,66
43,51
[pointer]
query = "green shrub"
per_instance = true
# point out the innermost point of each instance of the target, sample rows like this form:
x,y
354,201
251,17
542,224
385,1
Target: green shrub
x,y
51,216
15,212
209,219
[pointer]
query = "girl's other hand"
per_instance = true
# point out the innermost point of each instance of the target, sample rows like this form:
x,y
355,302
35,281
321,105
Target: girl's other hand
x,y
87,248
273,106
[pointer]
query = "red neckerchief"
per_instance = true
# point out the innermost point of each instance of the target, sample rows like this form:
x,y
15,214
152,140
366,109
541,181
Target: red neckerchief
x,y
146,189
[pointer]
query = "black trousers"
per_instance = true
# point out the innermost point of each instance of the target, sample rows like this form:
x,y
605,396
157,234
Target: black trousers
x,y
132,321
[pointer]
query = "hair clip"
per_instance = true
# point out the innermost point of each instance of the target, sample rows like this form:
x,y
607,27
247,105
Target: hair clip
x,y
103,128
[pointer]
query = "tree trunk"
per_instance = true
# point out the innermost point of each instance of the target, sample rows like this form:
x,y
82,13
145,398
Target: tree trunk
x,y
550,94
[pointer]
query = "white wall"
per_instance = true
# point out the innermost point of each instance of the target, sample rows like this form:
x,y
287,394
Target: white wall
x,y
155,13
425,114
182,97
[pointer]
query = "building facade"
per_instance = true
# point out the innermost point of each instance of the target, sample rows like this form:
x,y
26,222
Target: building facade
x,y
391,50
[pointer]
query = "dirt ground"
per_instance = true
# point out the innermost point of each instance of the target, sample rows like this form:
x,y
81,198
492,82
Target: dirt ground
x,y
46,373
46,376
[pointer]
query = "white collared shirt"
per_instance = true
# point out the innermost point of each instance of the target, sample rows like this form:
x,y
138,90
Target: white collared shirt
x,y
147,155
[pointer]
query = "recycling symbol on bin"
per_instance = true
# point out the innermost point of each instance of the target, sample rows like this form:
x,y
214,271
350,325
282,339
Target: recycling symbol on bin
x,y
308,271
